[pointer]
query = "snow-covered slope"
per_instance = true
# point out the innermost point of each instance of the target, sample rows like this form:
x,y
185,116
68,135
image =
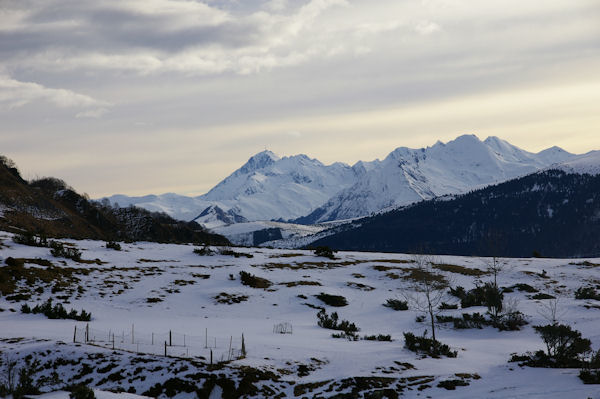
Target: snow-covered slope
x,y
584,164
408,175
267,187
149,294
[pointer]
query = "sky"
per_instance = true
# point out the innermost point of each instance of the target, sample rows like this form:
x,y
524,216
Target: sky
x,y
152,96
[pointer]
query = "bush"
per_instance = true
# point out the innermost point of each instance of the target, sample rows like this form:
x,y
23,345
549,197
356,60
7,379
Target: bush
x,y
468,320
587,293
590,376
230,252
82,392
113,245
332,322
325,252
378,337
33,240
204,251
563,344
482,295
427,346
332,300
396,304
59,250
57,311
254,281
448,306
512,321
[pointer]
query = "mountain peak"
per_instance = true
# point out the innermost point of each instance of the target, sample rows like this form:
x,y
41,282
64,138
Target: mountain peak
x,y
259,161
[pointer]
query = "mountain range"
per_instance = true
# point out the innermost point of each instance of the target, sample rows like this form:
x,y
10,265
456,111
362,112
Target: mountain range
x,y
304,190
553,212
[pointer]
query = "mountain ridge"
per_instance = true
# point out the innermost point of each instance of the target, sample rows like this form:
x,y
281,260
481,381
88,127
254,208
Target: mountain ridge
x,y
301,189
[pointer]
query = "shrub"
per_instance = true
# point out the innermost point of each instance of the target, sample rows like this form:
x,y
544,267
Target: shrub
x,y
448,306
332,322
427,346
563,344
325,252
396,304
113,245
82,392
587,293
33,240
482,295
590,374
204,251
378,337
59,250
468,320
57,311
230,252
254,281
332,300
511,321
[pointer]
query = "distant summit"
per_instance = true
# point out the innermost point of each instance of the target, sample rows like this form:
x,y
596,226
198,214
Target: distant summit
x,y
302,189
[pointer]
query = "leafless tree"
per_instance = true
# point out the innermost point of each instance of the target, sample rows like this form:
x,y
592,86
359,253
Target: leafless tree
x,y
550,310
8,372
428,289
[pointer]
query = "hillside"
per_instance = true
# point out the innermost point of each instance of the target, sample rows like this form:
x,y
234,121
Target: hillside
x,y
551,213
50,207
150,298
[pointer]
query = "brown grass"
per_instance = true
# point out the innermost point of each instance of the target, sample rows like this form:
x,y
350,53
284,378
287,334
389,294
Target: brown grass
x,y
466,271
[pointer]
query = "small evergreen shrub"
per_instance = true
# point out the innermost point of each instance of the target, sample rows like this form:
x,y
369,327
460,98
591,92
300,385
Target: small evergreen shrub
x,y
59,250
204,251
396,304
587,293
230,252
254,281
448,306
56,312
30,239
333,323
113,245
427,346
378,337
482,295
564,348
325,252
332,300
82,392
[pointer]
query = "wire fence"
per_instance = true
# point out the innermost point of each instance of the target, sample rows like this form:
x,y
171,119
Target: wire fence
x,y
207,347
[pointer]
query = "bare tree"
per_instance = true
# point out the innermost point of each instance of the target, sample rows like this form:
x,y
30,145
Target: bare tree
x,y
8,373
428,289
551,311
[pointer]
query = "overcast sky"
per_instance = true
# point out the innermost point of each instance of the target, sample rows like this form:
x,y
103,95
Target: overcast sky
x,y
154,96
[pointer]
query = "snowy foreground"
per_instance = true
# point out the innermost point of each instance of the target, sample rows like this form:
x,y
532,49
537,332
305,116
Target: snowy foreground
x,y
150,294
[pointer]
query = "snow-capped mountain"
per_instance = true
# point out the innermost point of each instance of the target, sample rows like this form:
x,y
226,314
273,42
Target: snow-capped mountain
x,y
299,188
266,187
409,175
584,164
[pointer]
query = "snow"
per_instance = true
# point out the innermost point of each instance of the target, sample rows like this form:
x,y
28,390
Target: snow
x,y
409,175
268,187
116,293
584,164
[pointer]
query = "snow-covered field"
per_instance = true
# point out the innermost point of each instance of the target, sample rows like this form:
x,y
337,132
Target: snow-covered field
x,y
141,293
